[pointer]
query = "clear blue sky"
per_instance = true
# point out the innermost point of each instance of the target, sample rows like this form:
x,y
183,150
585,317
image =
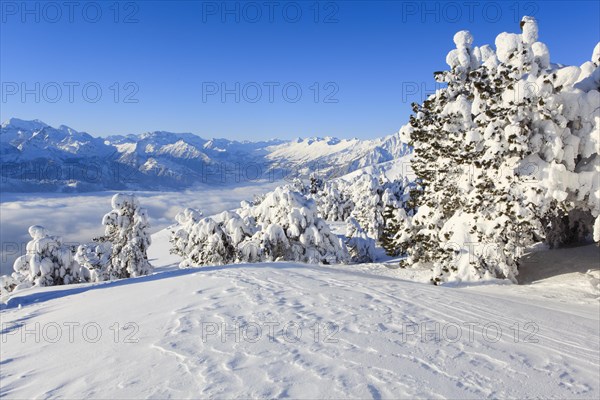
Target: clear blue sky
x,y
369,56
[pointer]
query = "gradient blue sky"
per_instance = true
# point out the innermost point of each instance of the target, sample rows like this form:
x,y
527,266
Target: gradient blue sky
x,y
373,52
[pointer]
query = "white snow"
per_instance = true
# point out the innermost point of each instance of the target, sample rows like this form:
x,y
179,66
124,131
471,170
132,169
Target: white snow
x,y
173,334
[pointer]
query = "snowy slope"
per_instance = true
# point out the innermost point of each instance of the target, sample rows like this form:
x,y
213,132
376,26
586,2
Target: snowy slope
x,y
396,169
365,347
333,157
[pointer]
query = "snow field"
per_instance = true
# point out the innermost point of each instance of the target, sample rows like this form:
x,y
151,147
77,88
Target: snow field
x,y
195,333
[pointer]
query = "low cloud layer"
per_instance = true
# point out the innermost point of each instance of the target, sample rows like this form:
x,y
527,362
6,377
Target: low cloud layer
x,y
77,218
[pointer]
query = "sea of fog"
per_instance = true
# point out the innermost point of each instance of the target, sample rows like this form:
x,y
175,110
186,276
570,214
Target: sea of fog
x,y
77,217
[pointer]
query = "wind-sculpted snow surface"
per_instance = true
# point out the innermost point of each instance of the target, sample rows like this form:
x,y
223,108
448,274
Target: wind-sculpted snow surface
x,y
293,330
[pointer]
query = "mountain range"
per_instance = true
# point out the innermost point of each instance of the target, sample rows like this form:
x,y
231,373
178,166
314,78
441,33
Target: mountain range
x,y
38,157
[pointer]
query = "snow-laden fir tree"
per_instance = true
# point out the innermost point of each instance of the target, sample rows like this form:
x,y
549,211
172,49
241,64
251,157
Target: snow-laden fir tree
x,y
360,246
495,220
209,244
531,117
316,183
391,226
213,241
501,148
368,207
436,131
283,226
94,258
370,197
239,232
48,262
297,185
288,228
180,233
126,229
334,202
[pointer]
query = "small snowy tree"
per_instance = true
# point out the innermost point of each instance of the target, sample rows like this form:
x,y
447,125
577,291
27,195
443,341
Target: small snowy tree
x,y
360,246
297,185
316,183
126,228
288,228
94,259
368,206
213,241
391,227
48,262
333,202
239,232
208,244
180,233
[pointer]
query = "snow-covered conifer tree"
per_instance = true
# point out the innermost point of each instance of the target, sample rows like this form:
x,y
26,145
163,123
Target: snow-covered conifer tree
x,y
126,228
180,233
207,244
360,246
391,227
94,259
239,232
316,183
288,228
48,262
368,207
502,155
333,202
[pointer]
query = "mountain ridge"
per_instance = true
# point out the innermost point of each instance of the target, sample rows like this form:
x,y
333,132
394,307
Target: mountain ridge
x,y
157,160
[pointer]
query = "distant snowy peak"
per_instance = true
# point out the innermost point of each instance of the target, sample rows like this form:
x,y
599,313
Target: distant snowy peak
x,y
44,141
333,157
16,123
181,149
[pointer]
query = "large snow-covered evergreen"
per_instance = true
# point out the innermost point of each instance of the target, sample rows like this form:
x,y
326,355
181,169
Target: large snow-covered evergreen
x,y
505,155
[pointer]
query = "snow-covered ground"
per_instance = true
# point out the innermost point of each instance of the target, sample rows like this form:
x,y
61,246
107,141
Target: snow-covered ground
x,y
294,330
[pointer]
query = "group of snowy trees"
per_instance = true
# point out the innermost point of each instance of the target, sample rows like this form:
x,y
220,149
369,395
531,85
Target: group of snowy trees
x,y
283,225
371,207
120,253
364,198
505,155
290,224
